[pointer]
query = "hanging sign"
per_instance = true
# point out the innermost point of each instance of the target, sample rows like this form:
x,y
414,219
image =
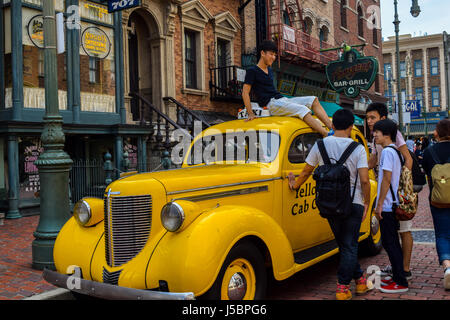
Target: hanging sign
x,y
118,5
351,73
413,106
35,30
95,42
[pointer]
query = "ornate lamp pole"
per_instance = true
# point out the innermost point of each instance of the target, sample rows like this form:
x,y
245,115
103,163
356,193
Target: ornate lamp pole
x,y
415,11
54,164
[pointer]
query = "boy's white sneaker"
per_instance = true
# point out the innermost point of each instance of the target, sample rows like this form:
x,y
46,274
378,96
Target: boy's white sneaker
x,y
447,279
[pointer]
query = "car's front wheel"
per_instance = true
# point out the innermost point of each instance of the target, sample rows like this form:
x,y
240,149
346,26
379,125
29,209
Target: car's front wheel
x,y
242,276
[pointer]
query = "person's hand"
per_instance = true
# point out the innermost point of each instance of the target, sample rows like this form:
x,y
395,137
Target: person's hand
x,y
366,209
378,212
291,178
251,116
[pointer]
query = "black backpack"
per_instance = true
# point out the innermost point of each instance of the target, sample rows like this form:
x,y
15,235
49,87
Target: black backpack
x,y
418,174
333,197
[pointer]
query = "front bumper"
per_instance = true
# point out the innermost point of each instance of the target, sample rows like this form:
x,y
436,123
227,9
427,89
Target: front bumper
x,y
108,291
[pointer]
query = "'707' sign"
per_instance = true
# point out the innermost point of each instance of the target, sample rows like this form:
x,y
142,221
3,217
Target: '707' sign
x,y
117,5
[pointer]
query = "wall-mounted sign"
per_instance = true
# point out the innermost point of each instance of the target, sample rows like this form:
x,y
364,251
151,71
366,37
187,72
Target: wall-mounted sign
x,y
413,106
117,5
351,73
95,42
35,30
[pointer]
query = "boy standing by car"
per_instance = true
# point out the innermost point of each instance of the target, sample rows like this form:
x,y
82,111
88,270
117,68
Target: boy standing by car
x,y
259,80
375,112
385,132
345,229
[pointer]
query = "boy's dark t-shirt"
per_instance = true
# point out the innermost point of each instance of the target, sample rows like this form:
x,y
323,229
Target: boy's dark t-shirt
x,y
262,85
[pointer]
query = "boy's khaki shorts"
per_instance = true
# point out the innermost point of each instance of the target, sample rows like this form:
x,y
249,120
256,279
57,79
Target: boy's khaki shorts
x,y
295,106
405,226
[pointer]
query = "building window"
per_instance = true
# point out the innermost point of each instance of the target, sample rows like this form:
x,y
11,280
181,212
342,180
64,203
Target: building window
x,y
435,100
93,70
387,71
323,35
190,60
419,96
417,68
344,13
375,31
402,69
360,22
308,25
434,66
41,63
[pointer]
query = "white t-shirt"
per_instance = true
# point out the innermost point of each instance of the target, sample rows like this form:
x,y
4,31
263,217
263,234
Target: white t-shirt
x,y
335,147
391,162
399,141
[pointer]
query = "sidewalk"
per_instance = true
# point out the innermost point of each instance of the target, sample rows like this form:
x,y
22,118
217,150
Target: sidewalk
x,y
18,280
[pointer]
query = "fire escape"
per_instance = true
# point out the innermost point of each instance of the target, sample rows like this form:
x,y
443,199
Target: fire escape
x,y
287,28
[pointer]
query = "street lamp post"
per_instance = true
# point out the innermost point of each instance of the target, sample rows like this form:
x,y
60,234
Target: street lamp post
x,y
53,164
415,11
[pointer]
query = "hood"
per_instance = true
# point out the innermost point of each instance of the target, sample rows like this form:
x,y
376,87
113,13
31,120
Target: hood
x,y
187,179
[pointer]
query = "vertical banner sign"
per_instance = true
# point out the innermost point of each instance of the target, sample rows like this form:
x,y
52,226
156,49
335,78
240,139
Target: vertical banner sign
x,y
351,73
118,5
413,106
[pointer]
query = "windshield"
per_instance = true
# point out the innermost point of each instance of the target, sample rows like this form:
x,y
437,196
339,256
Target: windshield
x,y
231,147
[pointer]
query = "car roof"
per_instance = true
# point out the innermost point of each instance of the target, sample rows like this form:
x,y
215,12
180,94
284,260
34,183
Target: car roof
x,y
285,125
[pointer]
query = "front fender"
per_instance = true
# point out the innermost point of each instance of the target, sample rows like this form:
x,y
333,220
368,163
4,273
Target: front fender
x,y
191,259
75,245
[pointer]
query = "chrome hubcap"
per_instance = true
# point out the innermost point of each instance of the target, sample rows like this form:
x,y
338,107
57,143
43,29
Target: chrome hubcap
x,y
237,287
374,225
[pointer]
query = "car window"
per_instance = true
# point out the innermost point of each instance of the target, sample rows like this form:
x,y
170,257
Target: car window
x,y
249,146
301,146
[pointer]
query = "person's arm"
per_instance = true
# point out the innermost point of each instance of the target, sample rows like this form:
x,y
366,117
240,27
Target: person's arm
x,y
247,102
373,160
365,187
385,183
295,184
405,153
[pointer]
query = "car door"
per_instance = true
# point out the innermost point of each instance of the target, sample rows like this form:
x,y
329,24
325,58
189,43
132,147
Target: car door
x,y
301,220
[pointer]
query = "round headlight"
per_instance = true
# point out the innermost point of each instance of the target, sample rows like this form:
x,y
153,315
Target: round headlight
x,y
82,212
172,216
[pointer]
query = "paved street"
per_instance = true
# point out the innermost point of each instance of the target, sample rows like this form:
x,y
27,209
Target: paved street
x,y
18,280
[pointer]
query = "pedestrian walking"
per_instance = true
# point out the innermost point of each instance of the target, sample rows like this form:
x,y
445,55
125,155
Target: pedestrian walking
x,y
259,80
346,227
375,112
436,163
385,132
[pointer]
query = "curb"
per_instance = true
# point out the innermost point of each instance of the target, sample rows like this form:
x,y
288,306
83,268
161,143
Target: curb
x,y
56,294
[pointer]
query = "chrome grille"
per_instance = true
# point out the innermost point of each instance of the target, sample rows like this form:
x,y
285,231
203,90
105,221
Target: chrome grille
x,y
111,277
127,227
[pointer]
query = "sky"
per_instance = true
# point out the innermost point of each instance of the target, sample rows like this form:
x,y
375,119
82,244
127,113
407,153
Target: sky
x,y
433,18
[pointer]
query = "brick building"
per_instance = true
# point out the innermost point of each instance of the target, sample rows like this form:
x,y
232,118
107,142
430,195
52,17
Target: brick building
x,y
422,77
113,78
306,27
356,22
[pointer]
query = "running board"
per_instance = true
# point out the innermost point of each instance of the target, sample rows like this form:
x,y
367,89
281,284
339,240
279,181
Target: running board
x,y
315,252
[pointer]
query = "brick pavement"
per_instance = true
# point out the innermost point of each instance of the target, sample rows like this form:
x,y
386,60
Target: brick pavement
x,y
18,280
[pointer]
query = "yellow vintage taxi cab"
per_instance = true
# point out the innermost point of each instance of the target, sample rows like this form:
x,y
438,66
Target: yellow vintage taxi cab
x,y
215,228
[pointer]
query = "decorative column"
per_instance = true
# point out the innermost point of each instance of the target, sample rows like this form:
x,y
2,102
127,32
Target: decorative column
x,y
53,164
17,59
118,60
118,156
13,178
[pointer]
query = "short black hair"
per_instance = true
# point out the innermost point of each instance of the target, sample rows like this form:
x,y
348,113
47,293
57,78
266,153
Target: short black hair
x,y
379,107
268,45
387,128
343,118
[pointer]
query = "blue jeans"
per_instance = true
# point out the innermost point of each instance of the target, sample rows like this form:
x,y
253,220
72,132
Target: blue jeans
x,y
441,221
346,233
389,226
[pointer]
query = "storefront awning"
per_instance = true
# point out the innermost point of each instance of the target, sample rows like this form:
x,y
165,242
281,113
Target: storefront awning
x,y
331,108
